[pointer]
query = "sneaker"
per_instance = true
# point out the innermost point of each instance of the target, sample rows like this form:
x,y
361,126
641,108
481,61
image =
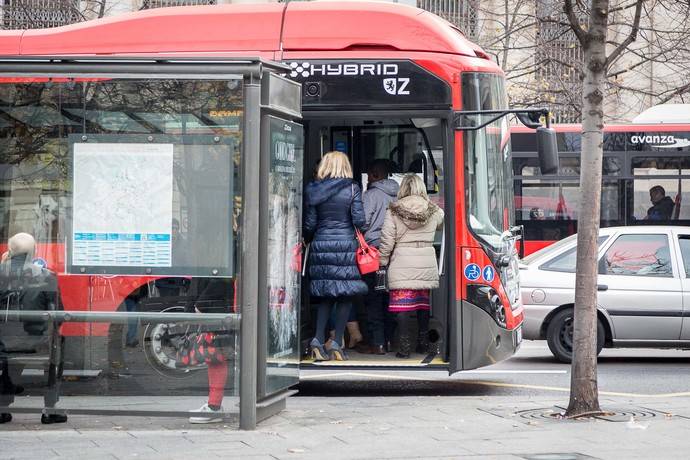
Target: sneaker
x,y
212,416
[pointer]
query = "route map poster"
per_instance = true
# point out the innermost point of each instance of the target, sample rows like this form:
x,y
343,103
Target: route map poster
x,y
122,205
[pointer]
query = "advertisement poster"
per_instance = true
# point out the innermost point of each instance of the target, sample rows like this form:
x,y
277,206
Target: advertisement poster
x,y
122,204
284,249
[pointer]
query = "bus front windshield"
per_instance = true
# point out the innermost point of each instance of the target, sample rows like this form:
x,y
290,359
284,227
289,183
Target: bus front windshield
x,y
488,166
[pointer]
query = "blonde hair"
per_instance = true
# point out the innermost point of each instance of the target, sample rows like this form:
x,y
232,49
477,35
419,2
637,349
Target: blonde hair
x,y
334,165
412,184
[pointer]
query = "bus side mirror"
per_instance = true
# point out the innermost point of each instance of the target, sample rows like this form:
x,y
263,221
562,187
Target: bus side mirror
x,y
547,149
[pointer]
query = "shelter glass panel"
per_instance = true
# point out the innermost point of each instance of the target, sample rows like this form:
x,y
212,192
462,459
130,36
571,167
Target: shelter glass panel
x,y
167,334
284,261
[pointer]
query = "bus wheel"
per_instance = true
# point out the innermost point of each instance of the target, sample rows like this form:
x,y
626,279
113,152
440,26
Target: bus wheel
x,y
150,366
160,347
559,335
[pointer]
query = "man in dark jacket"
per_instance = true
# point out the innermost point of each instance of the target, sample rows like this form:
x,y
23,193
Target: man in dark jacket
x,y
381,191
663,205
25,286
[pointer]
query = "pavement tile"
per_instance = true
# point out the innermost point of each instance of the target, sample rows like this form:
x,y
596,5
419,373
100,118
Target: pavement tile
x,y
486,446
352,428
18,455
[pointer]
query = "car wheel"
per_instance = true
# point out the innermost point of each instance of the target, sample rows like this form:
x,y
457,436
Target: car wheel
x,y
559,335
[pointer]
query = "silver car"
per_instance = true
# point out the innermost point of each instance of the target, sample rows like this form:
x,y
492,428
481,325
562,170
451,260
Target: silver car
x,y
643,290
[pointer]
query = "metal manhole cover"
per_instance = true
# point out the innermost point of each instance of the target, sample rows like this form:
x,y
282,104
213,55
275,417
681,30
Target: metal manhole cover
x,y
624,415
548,413
610,415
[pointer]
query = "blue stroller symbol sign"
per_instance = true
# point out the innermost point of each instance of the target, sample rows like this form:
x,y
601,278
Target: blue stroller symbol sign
x,y
488,273
472,272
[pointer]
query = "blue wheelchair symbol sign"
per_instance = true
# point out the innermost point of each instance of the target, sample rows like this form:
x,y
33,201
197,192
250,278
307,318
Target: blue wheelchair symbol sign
x,y
488,273
472,272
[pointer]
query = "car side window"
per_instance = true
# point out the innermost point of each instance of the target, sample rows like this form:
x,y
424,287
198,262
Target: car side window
x,y
565,262
684,243
638,255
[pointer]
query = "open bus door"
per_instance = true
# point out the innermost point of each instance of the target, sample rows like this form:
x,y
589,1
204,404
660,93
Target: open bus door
x,y
414,142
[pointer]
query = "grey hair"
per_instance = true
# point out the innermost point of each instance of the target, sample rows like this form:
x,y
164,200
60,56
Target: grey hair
x,y
22,243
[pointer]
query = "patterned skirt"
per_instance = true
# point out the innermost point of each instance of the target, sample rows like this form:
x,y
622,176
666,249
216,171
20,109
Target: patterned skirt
x,y
402,300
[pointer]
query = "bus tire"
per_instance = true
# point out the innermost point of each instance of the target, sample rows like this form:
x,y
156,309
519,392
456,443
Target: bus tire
x,y
149,368
559,335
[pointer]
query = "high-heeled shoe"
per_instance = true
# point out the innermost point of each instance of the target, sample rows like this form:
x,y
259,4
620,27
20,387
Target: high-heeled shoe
x,y
355,334
318,353
336,353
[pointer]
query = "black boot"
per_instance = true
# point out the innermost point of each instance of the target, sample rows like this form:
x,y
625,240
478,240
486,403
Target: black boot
x,y
422,332
4,418
49,419
403,327
405,346
422,344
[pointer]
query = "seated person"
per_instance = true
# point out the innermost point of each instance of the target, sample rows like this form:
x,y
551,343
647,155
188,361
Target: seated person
x,y
662,205
25,286
536,214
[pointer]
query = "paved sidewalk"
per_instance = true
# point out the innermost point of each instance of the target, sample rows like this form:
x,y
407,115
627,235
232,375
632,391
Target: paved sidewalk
x,y
495,427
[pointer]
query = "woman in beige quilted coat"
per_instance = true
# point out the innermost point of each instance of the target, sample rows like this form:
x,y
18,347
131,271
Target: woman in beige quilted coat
x,y
407,249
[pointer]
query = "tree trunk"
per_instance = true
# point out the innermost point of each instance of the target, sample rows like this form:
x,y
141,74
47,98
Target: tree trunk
x,y
584,397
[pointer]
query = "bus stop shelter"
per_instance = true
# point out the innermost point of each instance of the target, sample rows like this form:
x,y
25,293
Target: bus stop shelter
x,y
164,199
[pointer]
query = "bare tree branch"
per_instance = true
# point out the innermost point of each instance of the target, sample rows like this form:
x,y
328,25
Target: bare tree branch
x,y
631,37
574,22
679,91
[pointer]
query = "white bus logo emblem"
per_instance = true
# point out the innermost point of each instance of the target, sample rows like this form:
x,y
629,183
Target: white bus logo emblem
x,y
396,86
390,85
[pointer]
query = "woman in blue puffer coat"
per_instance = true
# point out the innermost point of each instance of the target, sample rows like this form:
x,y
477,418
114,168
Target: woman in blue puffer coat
x,y
333,210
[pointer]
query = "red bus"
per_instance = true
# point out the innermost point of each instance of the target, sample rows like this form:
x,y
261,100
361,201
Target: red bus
x,y
637,157
379,81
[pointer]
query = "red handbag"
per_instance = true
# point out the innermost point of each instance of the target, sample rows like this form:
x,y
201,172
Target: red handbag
x,y
296,261
367,257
